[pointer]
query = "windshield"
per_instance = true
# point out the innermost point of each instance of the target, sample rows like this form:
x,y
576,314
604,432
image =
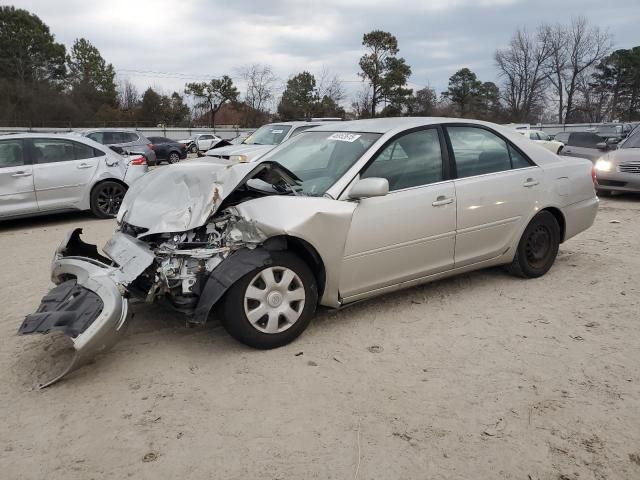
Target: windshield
x,y
632,142
268,135
319,159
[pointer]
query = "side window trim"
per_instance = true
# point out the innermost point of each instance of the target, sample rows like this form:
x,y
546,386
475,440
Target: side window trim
x,y
508,143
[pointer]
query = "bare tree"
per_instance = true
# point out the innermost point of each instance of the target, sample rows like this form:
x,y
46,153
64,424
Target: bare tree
x,y
557,63
361,104
260,82
329,85
522,67
128,97
586,46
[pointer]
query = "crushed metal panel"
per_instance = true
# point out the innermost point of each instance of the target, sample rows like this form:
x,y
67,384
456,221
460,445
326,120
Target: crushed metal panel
x,y
132,256
321,222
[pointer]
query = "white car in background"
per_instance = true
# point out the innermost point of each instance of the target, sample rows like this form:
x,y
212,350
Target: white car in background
x,y
543,139
44,173
263,140
200,142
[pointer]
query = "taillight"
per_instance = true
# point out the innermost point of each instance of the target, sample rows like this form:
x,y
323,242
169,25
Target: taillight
x,y
593,175
138,161
150,145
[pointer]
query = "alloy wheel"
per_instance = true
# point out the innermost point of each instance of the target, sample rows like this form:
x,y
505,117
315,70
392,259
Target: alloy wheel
x,y
109,199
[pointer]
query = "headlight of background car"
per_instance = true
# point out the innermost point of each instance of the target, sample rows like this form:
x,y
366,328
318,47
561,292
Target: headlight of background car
x,y
603,165
238,158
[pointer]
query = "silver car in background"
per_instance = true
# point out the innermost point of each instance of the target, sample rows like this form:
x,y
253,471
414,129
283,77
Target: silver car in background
x,y
619,170
130,140
262,140
340,213
47,173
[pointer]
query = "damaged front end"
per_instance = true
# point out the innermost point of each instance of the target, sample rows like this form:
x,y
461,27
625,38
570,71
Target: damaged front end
x,y
186,267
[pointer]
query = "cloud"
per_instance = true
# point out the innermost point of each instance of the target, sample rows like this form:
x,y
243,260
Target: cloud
x,y
181,41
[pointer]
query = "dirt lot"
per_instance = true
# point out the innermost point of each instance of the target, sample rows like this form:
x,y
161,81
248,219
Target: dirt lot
x,y
478,377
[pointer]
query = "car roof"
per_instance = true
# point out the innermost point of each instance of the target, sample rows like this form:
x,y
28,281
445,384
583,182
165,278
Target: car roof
x,y
91,130
301,123
389,124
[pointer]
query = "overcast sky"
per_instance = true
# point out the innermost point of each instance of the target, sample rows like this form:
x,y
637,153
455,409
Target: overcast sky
x,y
164,43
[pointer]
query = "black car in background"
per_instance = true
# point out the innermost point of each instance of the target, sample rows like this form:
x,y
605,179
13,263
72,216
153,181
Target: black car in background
x,y
168,150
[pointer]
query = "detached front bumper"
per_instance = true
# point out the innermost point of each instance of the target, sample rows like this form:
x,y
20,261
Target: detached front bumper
x,y
87,304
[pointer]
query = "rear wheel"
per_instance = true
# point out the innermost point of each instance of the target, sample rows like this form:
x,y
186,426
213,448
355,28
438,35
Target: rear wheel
x,y
272,305
538,247
173,157
106,198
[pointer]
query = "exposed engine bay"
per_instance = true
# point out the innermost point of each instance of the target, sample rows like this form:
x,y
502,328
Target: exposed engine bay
x,y
183,261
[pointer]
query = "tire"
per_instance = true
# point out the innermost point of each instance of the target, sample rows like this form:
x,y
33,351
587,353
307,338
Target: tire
x,y
200,154
106,198
245,301
559,150
174,157
538,247
603,193
193,149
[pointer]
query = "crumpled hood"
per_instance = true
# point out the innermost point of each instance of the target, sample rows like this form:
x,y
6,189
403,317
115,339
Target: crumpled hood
x,y
251,151
181,196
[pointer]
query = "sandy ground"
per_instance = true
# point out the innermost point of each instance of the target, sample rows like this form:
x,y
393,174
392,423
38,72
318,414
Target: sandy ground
x,y
478,377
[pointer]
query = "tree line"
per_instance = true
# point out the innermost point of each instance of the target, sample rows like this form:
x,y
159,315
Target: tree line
x,y
561,72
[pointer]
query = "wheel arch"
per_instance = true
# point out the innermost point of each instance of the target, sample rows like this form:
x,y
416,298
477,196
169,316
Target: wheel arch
x,y
307,253
559,216
109,179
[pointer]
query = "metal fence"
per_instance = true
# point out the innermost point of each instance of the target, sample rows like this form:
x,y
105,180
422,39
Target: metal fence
x,y
174,133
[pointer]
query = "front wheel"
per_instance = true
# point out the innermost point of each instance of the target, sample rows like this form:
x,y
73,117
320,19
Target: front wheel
x,y
272,305
193,148
106,198
538,247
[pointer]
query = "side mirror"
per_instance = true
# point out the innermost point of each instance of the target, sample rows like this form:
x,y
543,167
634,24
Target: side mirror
x,y
602,146
369,187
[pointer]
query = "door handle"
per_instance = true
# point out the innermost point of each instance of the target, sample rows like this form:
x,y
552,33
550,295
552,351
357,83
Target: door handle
x,y
531,183
21,174
84,165
442,200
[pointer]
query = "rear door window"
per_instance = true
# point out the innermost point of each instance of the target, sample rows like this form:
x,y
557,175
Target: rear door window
x,y
52,150
478,151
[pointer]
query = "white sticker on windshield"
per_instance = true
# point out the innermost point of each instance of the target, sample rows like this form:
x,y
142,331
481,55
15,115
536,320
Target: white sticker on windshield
x,y
344,137
276,131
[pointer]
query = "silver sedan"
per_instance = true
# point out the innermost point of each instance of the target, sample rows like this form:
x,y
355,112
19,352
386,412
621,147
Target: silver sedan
x,y
340,213
619,170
